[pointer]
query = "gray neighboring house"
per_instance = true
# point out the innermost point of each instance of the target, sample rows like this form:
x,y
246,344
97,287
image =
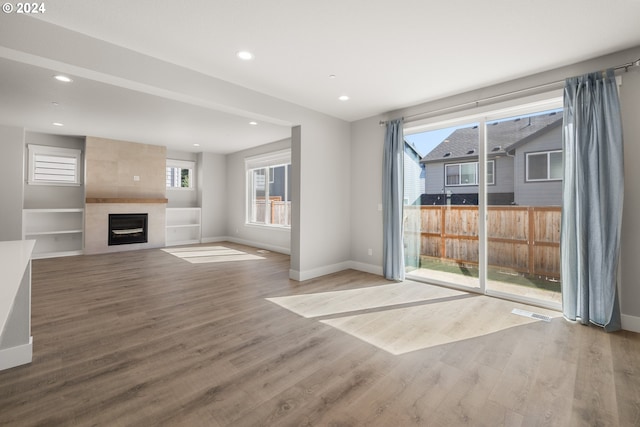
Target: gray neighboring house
x,y
524,164
413,175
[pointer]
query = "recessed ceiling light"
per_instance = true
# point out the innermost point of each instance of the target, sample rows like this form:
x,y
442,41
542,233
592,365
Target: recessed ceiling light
x,y
332,76
57,124
63,79
253,123
245,55
55,104
343,98
196,145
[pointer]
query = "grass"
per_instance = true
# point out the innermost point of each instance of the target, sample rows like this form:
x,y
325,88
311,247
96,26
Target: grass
x,y
493,273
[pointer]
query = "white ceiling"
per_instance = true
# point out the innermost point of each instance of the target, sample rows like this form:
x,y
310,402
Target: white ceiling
x,y
385,55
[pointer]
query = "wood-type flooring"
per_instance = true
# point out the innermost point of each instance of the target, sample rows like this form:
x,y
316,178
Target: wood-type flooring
x,y
144,338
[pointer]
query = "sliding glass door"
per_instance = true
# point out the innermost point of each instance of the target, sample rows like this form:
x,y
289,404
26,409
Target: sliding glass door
x,y
442,223
483,204
524,205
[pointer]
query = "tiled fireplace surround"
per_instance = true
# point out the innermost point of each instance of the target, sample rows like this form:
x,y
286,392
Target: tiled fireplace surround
x,y
123,177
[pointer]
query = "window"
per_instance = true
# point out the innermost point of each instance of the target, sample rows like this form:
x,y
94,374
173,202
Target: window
x,y
467,173
544,166
490,172
180,174
269,189
53,165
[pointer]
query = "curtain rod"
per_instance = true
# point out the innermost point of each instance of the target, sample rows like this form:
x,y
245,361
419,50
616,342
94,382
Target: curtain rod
x,y
558,83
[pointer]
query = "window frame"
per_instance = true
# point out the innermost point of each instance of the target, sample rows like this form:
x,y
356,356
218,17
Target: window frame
x,y
547,153
266,162
35,150
477,173
189,165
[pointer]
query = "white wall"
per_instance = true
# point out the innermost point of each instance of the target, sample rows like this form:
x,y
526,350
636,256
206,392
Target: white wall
x,y
325,197
630,291
274,238
11,180
212,195
367,137
296,148
367,140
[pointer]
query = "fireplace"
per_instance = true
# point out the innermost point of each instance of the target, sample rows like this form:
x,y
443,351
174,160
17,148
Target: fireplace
x,y
125,229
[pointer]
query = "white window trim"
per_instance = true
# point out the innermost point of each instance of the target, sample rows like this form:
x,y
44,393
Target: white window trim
x,y
477,174
34,150
538,153
486,113
265,161
276,158
184,164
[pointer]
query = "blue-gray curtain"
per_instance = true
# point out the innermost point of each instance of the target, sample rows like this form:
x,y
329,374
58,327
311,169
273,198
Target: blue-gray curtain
x,y
593,190
392,198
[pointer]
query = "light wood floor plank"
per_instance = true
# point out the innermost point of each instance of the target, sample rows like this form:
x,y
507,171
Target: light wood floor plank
x,y
147,338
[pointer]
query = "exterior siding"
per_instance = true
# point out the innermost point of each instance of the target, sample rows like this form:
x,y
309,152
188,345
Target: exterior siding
x,y
434,178
547,193
510,175
504,176
413,179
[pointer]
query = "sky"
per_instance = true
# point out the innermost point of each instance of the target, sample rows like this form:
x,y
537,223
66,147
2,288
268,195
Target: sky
x,y
427,141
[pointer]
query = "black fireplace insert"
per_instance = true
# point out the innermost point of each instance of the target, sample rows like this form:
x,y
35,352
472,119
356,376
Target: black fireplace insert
x,y
125,229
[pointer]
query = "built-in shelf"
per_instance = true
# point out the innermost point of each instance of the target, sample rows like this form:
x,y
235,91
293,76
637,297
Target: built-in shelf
x,y
125,200
183,226
47,233
57,232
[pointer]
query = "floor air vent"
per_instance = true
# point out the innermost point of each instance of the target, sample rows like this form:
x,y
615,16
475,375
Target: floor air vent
x,y
530,314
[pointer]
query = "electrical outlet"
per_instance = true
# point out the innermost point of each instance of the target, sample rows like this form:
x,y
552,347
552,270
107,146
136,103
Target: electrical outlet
x,y
136,178
370,251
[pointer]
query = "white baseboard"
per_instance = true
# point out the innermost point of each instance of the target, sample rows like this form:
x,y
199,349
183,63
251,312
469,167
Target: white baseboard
x,y
334,268
214,239
260,245
318,272
630,323
294,275
367,268
16,356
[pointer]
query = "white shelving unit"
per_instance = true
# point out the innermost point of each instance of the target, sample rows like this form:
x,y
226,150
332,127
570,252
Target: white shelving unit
x,y
57,232
183,226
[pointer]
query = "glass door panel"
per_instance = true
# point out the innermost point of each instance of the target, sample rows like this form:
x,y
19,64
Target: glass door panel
x,y
441,220
524,205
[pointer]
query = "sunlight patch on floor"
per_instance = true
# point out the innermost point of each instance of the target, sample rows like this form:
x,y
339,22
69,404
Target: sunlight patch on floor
x,y
438,315
328,303
208,254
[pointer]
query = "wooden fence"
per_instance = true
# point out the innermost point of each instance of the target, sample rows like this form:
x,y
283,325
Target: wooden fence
x,y
525,239
280,211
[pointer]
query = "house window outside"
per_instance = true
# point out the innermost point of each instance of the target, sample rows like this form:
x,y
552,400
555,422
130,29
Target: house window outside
x,y
180,174
459,174
490,172
544,166
53,165
269,189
